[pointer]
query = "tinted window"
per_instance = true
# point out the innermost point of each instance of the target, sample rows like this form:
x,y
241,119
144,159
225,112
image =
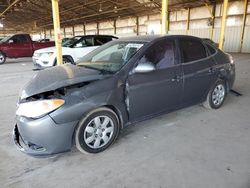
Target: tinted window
x,y
161,54
84,42
71,41
192,50
211,49
20,39
101,40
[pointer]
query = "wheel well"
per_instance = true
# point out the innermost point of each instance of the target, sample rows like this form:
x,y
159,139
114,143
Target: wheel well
x,y
117,112
225,80
70,58
111,107
222,79
67,56
3,53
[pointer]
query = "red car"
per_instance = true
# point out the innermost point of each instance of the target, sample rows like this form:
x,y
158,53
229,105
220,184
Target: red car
x,y
20,45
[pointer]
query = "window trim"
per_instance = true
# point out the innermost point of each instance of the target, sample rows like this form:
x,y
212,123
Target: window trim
x,y
216,50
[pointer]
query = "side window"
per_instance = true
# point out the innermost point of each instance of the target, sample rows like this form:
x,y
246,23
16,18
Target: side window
x,y
15,39
101,40
89,42
84,43
211,49
192,50
161,54
19,39
23,38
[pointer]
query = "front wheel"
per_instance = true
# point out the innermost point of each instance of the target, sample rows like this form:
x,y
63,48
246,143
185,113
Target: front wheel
x,y
216,96
2,58
97,131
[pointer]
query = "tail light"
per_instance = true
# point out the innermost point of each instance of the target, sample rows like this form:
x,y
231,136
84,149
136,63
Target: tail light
x,y
231,59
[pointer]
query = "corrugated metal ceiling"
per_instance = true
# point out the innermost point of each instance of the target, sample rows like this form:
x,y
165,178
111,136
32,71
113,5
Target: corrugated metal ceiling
x,y
38,14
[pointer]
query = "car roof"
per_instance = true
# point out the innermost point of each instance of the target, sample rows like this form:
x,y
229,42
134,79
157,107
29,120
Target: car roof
x,y
142,38
96,36
149,38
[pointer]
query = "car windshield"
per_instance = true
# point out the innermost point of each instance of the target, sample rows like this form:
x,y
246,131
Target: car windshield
x,y
5,39
71,41
110,57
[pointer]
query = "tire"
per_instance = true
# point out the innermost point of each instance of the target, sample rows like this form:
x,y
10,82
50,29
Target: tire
x,y
68,60
97,131
216,96
2,58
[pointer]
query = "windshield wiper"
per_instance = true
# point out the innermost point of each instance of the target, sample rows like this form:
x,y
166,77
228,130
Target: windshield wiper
x,y
102,71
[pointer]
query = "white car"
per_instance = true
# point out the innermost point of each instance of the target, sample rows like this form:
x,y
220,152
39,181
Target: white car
x,y
72,50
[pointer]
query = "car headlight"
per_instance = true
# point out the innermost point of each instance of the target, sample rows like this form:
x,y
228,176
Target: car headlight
x,y
36,109
37,55
47,54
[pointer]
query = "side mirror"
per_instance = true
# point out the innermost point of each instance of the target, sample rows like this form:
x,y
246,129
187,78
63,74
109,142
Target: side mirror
x,y
11,41
144,68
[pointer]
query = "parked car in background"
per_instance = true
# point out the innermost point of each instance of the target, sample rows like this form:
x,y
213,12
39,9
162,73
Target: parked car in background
x,y
20,45
72,50
65,39
121,82
44,40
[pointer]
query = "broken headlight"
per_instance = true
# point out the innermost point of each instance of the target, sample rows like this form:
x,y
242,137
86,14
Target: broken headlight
x,y
36,109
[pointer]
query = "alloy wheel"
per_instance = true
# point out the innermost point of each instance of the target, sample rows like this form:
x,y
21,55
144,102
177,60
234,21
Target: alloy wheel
x,y
98,132
2,58
218,94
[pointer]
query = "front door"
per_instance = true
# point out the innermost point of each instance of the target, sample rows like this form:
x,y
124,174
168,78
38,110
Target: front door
x,y
157,91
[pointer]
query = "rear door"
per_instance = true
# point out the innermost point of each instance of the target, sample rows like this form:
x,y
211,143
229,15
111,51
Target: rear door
x,y
157,91
198,70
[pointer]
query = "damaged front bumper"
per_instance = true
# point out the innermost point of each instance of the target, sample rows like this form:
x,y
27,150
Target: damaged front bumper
x,y
42,136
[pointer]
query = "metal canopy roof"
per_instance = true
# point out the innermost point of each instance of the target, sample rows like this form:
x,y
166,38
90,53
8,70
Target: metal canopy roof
x,y
37,14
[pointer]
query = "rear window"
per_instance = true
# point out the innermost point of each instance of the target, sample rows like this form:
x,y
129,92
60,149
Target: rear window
x,y
211,49
20,39
192,50
101,40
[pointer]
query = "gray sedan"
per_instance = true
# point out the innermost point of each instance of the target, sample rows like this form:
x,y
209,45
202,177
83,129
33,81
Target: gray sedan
x,y
120,83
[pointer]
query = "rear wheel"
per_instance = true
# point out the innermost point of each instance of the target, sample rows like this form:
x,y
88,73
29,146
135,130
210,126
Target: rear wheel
x,y
97,131
216,96
2,58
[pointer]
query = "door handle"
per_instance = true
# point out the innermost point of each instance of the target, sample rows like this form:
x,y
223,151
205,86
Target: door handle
x,y
120,84
176,79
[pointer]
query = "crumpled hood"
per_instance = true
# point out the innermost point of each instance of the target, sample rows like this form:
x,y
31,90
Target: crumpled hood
x,y
58,77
